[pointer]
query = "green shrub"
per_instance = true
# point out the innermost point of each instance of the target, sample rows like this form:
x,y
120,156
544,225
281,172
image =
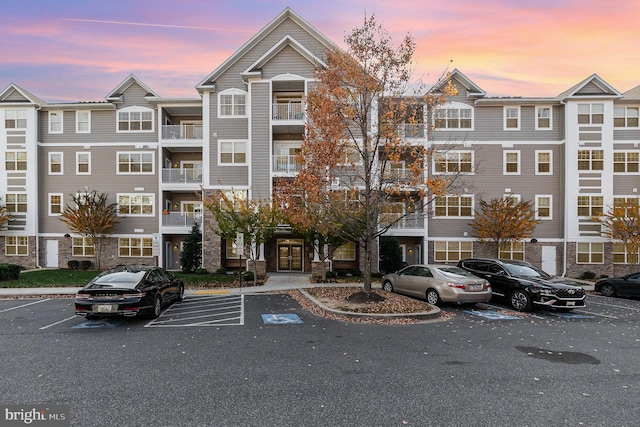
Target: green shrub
x,y
247,275
201,271
73,264
9,272
221,270
588,275
85,265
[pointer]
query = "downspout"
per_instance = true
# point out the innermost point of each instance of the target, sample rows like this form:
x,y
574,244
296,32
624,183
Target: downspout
x,y
37,180
566,198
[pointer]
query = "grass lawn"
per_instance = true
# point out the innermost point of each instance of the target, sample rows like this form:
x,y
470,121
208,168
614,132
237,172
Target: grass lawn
x,y
65,277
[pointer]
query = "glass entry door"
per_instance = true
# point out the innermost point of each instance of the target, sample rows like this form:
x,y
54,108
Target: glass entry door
x,y
290,255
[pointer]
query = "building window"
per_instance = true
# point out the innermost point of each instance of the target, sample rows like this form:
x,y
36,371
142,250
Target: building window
x,y
55,164
135,247
15,119
625,117
55,204
454,206
135,204
512,250
629,204
16,202
590,114
135,119
83,121
544,162
83,163
590,160
55,121
511,118
346,252
621,256
452,251
82,246
232,152
135,163
16,245
232,249
391,213
544,118
590,253
16,160
511,162
543,206
589,206
454,118
626,161
453,162
232,103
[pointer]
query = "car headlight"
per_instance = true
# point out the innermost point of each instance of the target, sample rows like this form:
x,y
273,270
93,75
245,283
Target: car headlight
x,y
548,292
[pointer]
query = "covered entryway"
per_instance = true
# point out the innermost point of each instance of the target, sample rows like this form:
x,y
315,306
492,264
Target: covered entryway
x,y
290,254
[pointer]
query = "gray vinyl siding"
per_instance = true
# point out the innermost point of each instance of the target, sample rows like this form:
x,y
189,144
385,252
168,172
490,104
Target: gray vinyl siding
x,y
15,96
260,140
288,61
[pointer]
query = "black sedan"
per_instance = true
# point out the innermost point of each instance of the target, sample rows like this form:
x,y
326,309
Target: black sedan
x,y
129,291
625,286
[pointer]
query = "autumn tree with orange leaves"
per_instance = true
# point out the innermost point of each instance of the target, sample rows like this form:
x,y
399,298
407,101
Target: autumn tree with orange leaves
x,y
622,224
355,113
504,221
256,219
93,217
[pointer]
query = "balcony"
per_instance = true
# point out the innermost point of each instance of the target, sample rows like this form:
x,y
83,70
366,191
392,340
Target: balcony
x,y
411,221
285,164
412,130
181,219
290,111
184,132
182,176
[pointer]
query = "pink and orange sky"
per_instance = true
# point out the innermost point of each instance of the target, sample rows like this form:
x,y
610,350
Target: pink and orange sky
x,y
71,50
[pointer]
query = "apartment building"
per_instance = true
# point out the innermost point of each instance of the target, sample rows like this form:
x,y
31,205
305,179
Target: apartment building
x,y
573,155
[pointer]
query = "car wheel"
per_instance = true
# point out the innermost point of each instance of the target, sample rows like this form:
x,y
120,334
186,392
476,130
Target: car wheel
x,y
520,300
387,286
433,297
181,293
157,307
608,290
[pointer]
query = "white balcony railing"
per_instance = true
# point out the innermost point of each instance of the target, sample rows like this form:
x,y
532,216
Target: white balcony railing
x,y
290,111
193,131
182,176
285,164
411,221
181,219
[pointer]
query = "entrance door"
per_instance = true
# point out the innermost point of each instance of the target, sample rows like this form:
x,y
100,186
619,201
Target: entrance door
x,y
52,253
290,255
549,260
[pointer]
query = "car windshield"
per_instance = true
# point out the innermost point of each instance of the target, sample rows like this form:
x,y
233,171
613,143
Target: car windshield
x,y
525,271
454,271
119,279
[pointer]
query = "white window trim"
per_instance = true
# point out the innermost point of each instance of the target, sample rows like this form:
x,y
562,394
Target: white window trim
x,y
88,121
61,163
153,162
456,106
61,115
504,162
550,152
540,107
78,153
61,204
626,152
153,204
141,247
135,109
440,153
234,92
504,114
590,253
472,207
17,245
544,218
246,157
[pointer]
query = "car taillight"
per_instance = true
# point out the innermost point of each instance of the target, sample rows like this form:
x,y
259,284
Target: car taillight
x,y
487,286
134,295
83,296
455,285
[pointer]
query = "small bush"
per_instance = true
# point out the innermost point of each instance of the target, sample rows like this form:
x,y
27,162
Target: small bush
x,y
247,275
85,265
221,270
73,264
201,271
9,272
588,275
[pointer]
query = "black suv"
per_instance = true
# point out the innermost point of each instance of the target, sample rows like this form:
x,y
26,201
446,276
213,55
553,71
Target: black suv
x,y
524,285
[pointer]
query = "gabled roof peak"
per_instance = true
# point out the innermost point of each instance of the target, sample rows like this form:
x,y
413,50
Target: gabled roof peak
x,y
591,87
116,94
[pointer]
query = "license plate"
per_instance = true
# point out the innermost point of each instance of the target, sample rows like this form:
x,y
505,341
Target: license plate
x,y
571,303
475,287
105,308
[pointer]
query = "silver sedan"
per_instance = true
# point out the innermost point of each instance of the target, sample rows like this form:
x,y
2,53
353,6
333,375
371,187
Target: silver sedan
x,y
438,284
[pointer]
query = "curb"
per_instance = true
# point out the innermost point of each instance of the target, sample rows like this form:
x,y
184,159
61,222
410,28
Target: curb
x,y
425,315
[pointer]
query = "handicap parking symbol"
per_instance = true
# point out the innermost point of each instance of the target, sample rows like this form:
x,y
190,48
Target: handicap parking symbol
x,y
491,314
280,319
108,323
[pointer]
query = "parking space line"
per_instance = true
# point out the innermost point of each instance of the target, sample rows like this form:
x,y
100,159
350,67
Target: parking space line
x,y
207,323
162,322
597,314
203,311
615,306
24,305
61,321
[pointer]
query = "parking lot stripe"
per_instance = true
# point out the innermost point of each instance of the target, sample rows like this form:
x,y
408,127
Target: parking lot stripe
x,y
24,305
596,314
613,305
160,322
57,323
